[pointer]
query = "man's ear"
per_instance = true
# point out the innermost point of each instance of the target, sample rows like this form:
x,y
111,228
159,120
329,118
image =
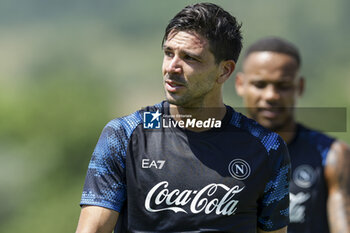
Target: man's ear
x,y
301,86
239,83
226,69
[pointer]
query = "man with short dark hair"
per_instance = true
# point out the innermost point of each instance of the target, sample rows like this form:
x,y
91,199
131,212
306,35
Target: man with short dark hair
x,y
190,163
270,85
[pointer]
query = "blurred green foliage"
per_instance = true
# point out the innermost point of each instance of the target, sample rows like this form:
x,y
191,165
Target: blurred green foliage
x,y
68,67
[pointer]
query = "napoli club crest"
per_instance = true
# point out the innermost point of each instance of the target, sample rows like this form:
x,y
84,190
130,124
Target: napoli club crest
x,y
304,176
239,169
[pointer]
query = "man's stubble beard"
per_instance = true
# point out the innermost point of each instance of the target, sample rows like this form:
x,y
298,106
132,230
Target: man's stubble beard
x,y
188,101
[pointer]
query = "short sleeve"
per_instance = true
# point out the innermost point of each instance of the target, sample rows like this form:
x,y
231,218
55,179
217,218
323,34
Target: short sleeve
x,y
273,210
105,179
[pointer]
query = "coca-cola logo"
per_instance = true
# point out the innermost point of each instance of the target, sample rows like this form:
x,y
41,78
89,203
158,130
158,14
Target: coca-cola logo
x,y
203,200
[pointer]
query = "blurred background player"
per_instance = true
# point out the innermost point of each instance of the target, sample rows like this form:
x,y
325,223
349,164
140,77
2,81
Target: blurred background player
x,y
270,85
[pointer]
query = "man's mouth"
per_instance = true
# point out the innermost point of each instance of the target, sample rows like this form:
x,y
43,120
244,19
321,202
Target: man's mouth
x,y
270,112
173,86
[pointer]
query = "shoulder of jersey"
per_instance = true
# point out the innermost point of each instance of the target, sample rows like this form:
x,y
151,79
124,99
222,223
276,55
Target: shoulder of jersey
x,y
269,139
320,141
314,137
130,122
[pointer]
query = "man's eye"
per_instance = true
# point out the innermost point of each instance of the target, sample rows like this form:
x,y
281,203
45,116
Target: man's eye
x,y
285,86
168,54
189,58
259,84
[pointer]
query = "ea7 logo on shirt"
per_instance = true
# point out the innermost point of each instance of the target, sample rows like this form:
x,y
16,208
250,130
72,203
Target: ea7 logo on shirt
x,y
148,163
151,120
239,169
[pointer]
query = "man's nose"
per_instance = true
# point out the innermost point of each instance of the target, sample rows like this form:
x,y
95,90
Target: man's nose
x,y
174,65
271,93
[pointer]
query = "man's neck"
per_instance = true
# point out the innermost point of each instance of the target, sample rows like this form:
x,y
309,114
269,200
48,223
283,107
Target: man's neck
x,y
288,131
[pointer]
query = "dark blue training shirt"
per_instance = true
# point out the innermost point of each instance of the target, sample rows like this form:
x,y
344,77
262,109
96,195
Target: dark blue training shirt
x,y
229,179
308,188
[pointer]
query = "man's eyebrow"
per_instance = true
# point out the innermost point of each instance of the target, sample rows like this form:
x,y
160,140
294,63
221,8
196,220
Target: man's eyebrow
x,y
196,56
261,79
166,47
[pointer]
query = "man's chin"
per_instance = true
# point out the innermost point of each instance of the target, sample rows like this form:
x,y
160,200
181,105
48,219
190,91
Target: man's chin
x,y
172,100
175,101
272,125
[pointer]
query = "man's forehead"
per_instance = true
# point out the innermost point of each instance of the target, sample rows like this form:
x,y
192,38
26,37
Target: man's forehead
x,y
275,79
186,39
266,60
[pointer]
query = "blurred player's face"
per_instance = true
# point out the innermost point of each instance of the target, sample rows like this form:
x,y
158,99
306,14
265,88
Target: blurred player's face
x,y
270,86
189,70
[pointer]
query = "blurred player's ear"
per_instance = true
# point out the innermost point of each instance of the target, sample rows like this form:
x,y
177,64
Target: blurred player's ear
x,y
226,69
239,83
301,86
